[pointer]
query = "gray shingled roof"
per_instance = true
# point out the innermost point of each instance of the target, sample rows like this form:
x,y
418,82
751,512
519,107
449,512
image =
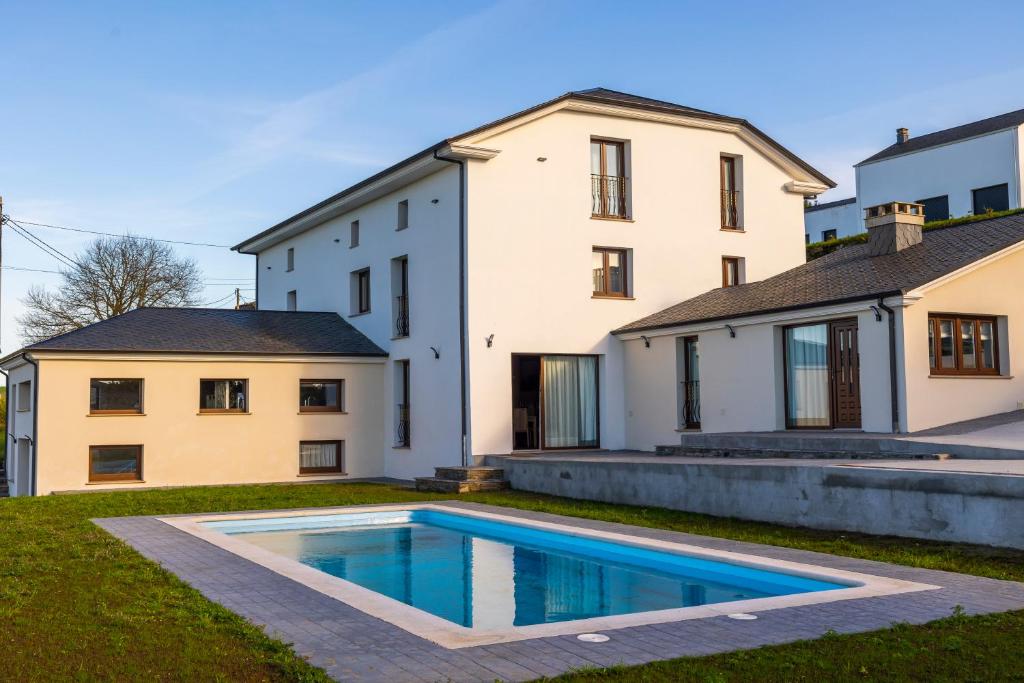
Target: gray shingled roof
x,y
217,330
829,205
942,137
848,274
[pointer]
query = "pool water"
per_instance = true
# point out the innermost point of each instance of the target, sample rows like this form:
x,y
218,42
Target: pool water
x,y
481,573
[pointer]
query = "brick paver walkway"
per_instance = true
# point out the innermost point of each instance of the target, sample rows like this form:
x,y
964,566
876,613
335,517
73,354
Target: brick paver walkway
x,y
351,645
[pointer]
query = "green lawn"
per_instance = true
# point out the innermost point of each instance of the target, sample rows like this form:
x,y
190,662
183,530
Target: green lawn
x,y
77,604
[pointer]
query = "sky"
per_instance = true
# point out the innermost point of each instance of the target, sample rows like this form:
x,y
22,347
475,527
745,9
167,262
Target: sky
x,y
210,121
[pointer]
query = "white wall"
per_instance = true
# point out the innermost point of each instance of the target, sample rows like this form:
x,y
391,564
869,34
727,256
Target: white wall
x,y
845,218
21,425
531,236
955,170
322,279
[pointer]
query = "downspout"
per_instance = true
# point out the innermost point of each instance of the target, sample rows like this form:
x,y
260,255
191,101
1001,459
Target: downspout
x,y
462,300
893,376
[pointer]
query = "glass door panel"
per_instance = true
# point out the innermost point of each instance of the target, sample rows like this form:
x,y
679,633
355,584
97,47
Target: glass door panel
x,y
807,377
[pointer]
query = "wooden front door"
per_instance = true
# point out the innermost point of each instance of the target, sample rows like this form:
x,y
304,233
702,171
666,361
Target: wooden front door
x,y
844,362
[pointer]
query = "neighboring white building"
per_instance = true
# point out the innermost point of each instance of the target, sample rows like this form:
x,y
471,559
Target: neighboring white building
x,y
492,265
826,221
954,172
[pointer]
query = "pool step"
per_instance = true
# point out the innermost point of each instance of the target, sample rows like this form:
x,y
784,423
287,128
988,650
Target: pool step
x,y
463,480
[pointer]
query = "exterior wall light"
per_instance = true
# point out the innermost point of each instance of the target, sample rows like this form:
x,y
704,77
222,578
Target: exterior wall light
x,y
437,354
878,314
732,332
647,341
434,201
490,341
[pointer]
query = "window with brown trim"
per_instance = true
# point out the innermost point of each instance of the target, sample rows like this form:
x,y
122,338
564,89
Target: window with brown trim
x,y
115,463
321,457
608,268
608,179
963,345
223,395
361,290
730,197
115,396
732,273
321,395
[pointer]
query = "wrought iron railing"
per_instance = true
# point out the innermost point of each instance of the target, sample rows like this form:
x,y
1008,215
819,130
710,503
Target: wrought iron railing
x,y
402,315
691,404
730,208
402,425
608,195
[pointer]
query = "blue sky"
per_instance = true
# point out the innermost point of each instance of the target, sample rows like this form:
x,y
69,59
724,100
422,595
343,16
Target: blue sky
x,y
210,121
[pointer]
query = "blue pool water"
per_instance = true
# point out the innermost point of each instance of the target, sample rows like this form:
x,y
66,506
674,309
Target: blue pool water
x,y
488,574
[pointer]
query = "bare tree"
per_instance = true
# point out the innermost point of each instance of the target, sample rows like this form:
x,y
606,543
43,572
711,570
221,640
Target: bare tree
x,y
112,276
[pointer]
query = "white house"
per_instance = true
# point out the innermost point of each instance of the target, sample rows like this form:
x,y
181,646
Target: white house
x,y
958,171
492,266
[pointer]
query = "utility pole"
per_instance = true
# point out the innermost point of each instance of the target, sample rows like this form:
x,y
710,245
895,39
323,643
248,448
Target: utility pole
x,y
238,298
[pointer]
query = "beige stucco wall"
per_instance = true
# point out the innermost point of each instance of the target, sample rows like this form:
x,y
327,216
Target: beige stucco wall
x,y
987,290
183,447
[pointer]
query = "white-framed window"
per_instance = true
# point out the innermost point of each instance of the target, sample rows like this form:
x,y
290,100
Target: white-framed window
x,y
291,259
403,215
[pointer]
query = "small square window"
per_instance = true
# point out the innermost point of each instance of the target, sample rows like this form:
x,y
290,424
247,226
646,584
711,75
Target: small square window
x,y
223,395
829,235
321,396
115,463
353,235
291,259
608,271
321,457
115,396
732,271
403,214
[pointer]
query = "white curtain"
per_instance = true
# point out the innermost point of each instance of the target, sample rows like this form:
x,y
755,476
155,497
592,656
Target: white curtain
x,y
807,400
317,455
570,401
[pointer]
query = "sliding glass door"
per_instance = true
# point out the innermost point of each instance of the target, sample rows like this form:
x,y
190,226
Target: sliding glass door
x,y
807,377
557,396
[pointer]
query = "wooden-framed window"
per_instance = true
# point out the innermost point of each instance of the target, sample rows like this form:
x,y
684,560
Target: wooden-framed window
x,y
730,195
403,215
115,463
608,178
732,271
362,290
963,344
321,457
321,395
608,268
353,239
223,395
115,396
291,259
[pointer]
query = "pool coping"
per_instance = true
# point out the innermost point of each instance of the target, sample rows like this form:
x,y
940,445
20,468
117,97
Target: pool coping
x,y
454,636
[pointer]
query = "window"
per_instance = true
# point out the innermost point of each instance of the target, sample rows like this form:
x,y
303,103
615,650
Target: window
x,y
293,301
361,291
994,198
730,200
321,457
24,397
115,396
115,463
608,179
321,396
291,259
403,419
807,238
400,286
828,235
223,395
732,271
963,345
608,268
353,235
403,214
935,208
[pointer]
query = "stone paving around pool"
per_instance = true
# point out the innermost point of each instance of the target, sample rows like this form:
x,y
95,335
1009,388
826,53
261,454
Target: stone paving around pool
x,y
352,645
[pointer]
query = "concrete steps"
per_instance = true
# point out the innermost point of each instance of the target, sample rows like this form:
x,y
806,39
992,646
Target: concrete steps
x,y
463,480
830,452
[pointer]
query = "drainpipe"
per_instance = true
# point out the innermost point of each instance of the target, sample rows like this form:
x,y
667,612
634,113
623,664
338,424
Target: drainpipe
x,y
462,300
893,378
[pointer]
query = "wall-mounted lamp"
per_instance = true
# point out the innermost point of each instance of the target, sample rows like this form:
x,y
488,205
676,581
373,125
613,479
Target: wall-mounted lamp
x,y
437,354
542,159
732,332
878,314
268,267
647,341
490,341
434,201
336,240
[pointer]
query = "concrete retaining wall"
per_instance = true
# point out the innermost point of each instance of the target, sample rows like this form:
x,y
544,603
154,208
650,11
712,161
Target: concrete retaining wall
x,y
942,506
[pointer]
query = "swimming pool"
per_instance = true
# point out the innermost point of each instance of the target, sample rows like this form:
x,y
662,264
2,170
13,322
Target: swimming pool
x,y
463,577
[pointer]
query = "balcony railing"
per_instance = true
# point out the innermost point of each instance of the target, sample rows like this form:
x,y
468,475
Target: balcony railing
x,y
691,404
402,315
731,209
608,195
402,431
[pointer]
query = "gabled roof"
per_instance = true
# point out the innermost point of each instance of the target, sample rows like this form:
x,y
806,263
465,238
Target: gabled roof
x,y
943,137
595,95
846,275
216,330
830,205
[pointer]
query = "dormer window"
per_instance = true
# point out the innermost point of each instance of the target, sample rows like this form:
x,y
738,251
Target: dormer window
x,y
608,179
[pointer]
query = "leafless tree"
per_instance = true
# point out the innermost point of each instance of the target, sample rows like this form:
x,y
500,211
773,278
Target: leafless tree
x,y
112,276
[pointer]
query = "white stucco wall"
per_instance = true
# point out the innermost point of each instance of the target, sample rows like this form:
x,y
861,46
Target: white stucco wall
x,y
954,170
845,219
20,425
531,236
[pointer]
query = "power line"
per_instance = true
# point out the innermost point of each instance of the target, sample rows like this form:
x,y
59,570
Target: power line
x,y
31,270
114,234
35,241
217,301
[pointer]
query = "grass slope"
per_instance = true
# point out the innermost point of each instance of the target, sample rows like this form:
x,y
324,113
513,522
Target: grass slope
x,y
76,604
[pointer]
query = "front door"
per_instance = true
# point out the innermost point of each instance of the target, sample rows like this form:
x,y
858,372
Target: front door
x,y
845,369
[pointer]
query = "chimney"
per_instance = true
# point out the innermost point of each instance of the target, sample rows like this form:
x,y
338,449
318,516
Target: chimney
x,y
902,135
893,227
